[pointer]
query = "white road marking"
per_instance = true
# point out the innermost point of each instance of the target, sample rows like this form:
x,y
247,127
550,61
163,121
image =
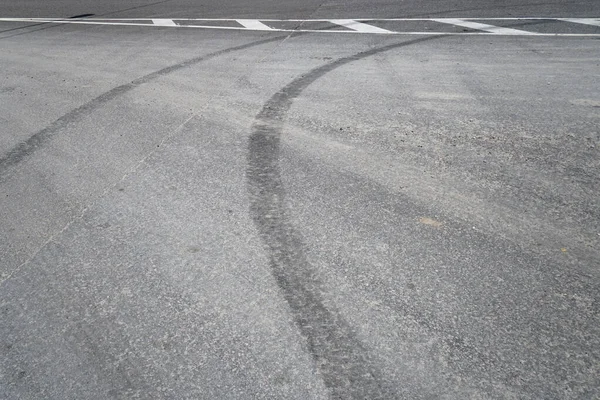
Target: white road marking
x,y
164,22
483,27
254,24
358,26
312,20
585,21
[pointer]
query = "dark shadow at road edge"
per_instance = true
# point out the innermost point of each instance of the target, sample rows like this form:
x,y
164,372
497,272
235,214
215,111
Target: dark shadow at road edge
x,y
339,355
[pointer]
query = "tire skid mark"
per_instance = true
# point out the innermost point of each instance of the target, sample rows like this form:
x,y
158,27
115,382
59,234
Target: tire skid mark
x,y
25,149
339,355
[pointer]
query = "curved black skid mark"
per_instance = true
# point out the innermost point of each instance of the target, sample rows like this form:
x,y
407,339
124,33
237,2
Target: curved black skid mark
x,y
338,354
38,139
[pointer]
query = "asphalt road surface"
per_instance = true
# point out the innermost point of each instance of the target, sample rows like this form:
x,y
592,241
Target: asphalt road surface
x,y
292,204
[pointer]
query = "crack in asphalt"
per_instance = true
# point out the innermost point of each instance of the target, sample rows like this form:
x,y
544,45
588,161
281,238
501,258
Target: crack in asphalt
x,y
339,355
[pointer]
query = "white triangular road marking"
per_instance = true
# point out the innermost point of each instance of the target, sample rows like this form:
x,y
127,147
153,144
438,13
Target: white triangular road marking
x,y
254,24
359,26
483,27
164,22
585,21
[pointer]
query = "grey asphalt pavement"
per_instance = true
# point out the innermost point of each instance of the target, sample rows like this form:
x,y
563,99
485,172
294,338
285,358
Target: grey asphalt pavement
x,y
245,214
